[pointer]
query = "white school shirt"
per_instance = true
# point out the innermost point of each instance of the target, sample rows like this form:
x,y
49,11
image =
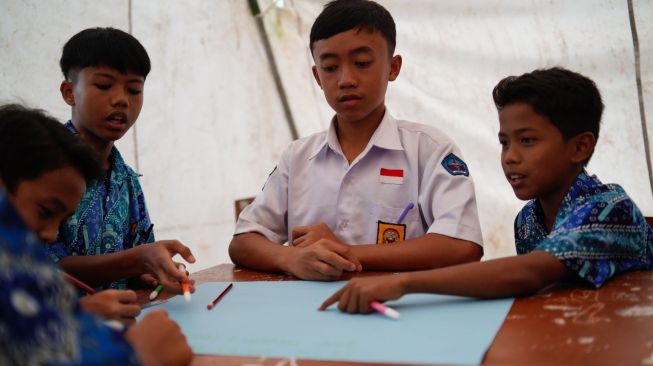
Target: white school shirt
x,y
313,183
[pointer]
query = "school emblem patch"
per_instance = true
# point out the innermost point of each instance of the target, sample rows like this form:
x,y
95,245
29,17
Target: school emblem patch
x,y
455,165
388,233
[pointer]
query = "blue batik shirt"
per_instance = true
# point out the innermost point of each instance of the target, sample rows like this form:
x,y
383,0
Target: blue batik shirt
x,y
40,319
111,217
598,232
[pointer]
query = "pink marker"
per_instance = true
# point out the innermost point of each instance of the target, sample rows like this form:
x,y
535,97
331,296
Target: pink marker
x,y
389,312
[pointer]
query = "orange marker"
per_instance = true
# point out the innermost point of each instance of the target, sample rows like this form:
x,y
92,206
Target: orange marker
x,y
184,285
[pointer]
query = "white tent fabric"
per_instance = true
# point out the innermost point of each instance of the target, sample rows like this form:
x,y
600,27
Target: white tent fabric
x,y
212,126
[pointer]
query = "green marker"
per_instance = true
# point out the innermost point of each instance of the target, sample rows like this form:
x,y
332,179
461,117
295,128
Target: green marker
x,y
155,293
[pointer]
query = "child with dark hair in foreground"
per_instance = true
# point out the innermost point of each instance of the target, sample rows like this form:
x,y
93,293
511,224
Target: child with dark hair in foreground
x,y
44,171
573,225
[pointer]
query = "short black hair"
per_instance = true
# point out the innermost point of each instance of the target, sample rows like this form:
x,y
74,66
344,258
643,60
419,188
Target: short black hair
x,y
104,47
571,101
342,15
33,143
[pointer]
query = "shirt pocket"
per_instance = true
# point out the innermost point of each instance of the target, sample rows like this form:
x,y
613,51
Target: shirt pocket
x,y
390,214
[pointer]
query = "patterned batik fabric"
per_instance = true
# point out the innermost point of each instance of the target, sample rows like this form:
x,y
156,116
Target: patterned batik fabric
x,y
598,231
40,319
110,218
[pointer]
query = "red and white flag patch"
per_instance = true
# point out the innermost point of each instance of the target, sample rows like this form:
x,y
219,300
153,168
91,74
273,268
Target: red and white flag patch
x,y
391,176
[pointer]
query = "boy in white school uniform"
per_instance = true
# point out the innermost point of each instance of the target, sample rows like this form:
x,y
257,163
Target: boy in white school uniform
x,y
342,198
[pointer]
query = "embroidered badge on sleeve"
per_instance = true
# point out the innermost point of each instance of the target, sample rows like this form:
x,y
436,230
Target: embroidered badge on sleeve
x,y
455,165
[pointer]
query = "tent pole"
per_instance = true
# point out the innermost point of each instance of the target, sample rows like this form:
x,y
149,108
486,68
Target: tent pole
x,y
256,11
638,79
134,127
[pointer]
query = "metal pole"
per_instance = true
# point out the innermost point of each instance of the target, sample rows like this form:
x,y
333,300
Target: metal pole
x,y
256,11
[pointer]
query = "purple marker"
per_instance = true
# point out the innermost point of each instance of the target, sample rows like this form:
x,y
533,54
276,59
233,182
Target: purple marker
x,y
403,214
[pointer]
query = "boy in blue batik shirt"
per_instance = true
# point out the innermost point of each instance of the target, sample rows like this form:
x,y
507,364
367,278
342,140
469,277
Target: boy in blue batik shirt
x,y
105,71
573,227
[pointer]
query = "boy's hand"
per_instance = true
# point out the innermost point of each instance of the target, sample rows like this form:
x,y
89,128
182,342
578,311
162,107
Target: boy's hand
x,y
158,340
157,259
324,260
148,280
303,236
356,295
112,304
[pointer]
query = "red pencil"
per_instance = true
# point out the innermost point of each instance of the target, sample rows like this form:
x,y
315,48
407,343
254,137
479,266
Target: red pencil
x,y
78,283
215,301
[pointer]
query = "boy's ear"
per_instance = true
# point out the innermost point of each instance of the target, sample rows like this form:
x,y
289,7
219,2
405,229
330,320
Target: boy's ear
x,y
582,146
66,89
316,76
395,67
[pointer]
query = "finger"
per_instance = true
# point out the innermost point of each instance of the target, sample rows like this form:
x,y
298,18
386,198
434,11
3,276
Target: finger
x,y
336,260
177,264
191,286
298,240
363,303
171,272
331,300
127,296
298,232
344,299
149,280
344,252
352,303
157,315
179,277
129,311
177,247
327,270
182,269
170,284
304,243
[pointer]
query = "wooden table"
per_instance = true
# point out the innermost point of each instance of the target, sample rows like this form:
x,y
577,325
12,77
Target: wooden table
x,y
561,326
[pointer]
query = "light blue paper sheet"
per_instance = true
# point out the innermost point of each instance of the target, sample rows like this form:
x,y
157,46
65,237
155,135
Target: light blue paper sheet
x,y
280,319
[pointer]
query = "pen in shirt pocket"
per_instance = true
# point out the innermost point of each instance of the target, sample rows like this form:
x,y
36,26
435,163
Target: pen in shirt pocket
x,y
405,212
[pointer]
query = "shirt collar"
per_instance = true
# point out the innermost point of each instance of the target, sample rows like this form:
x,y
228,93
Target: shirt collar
x,y
582,186
118,166
386,136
